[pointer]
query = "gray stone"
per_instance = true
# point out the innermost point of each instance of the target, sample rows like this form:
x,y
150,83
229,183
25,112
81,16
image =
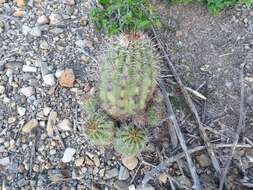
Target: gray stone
x,y
29,69
55,19
27,91
2,89
123,173
26,30
111,173
44,68
68,155
146,187
36,32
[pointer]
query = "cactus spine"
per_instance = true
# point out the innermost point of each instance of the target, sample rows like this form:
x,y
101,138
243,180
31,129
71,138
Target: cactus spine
x,y
128,76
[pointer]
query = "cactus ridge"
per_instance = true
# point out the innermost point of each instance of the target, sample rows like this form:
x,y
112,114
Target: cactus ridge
x,y
130,141
99,129
128,78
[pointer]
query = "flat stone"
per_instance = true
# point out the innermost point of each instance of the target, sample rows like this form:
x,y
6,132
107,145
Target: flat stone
x,y
65,125
29,69
67,78
19,13
27,91
123,173
51,123
68,155
130,162
49,79
43,19
30,125
111,173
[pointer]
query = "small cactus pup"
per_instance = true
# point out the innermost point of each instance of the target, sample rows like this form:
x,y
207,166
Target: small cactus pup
x,y
90,104
99,129
128,75
130,140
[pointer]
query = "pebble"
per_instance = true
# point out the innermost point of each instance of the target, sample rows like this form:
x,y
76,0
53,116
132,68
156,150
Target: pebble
x,y
68,155
67,78
58,73
27,91
36,32
2,89
65,125
84,43
46,111
11,120
79,161
69,2
163,178
203,160
49,79
44,68
146,187
51,122
55,19
19,13
20,3
30,125
29,69
131,187
5,161
44,45
21,111
111,173
43,19
130,162
123,173
2,1
26,30
96,161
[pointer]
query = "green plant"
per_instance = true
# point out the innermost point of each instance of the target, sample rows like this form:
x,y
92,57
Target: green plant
x,y
128,76
99,129
90,104
130,141
124,15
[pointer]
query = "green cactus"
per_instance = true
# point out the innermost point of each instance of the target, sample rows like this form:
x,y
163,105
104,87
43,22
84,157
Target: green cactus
x,y
128,76
130,141
90,104
99,129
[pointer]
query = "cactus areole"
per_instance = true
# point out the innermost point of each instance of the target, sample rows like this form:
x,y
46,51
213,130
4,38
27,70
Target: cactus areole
x,y
128,75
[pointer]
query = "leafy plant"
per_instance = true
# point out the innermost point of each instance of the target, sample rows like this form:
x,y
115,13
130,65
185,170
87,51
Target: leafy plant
x,y
124,15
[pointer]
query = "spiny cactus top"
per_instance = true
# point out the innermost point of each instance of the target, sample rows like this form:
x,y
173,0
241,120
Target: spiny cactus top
x,y
128,76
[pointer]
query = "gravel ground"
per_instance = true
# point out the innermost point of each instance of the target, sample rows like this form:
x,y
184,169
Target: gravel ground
x,y
42,144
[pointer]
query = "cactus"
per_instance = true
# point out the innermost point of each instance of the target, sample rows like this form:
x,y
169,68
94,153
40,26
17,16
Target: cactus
x,y
99,129
90,104
128,76
129,141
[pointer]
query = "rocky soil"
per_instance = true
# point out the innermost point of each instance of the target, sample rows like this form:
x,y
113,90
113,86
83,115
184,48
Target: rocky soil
x,y
47,64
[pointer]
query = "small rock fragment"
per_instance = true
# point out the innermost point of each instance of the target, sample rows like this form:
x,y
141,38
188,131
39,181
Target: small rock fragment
x,y
58,73
204,160
19,13
111,173
20,3
2,89
55,19
44,45
29,69
123,173
11,120
68,155
130,162
163,178
79,161
43,19
46,111
67,78
21,111
2,1
36,32
26,30
69,2
5,161
146,187
49,79
65,125
30,125
51,123
131,187
27,91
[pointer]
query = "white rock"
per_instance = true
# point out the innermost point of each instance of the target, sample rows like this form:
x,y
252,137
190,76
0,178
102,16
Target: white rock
x,y
21,111
131,187
9,73
130,162
65,125
46,111
29,69
79,161
27,91
55,19
58,73
26,30
49,79
43,19
69,2
123,173
36,32
44,45
2,89
68,155
5,161
84,43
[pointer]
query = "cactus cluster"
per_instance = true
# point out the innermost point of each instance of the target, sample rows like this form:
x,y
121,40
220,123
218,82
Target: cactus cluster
x,y
127,84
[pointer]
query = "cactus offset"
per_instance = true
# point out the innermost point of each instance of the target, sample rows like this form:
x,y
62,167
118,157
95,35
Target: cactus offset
x,y
99,129
128,76
130,141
